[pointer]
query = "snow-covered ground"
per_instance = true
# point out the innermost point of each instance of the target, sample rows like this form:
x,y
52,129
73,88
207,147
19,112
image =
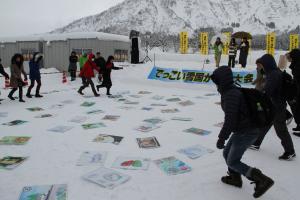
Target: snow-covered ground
x,y
53,156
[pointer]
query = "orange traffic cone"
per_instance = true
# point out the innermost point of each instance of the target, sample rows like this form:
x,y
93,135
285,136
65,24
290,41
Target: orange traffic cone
x,y
64,77
7,84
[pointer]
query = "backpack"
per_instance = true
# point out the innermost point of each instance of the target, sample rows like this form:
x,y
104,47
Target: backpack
x,y
289,87
260,106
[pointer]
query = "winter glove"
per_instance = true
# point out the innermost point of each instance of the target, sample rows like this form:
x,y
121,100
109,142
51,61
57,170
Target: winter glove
x,y
221,144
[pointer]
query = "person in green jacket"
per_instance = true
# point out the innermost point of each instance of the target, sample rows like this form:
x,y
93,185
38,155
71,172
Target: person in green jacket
x,y
218,48
82,61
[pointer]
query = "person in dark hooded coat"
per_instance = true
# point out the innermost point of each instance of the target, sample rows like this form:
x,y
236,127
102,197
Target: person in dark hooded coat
x,y
244,50
35,75
107,74
16,81
294,58
273,89
237,121
73,59
2,72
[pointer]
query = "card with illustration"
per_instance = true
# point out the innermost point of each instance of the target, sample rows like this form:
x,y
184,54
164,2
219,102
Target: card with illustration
x,y
15,123
68,102
3,114
172,166
127,107
131,102
147,127
123,92
95,112
78,119
144,92
57,106
93,126
14,140
196,151
158,105
219,125
107,178
92,158
11,162
44,192
155,120
111,117
35,109
148,143
87,104
197,131
186,103
184,119
60,129
174,100
121,100
115,96
136,96
41,116
132,163
103,138
157,97
147,108
174,110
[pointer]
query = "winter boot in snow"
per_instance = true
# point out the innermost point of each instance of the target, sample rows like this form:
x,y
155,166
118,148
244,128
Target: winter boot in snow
x,y
108,92
233,179
28,95
38,96
10,95
261,181
287,156
80,91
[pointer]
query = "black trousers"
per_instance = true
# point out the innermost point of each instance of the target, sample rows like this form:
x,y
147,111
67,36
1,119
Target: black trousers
x,y
281,131
38,87
231,61
295,108
73,74
87,82
20,92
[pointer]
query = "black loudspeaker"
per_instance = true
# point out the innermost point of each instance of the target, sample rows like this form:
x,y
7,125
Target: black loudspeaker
x,y
135,55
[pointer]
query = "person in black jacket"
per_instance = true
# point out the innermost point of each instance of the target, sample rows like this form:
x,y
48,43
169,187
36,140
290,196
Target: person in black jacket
x,y
232,53
2,72
273,89
73,59
294,58
35,74
100,62
244,50
107,74
237,121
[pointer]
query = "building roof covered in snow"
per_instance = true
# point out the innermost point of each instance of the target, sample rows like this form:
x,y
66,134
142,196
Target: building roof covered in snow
x,y
65,36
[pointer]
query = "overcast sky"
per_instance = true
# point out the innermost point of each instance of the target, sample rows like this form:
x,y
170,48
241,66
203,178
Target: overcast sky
x,y
23,17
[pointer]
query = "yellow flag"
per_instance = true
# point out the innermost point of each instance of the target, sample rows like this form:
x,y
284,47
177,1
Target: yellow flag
x,y
184,42
294,41
204,43
271,43
226,43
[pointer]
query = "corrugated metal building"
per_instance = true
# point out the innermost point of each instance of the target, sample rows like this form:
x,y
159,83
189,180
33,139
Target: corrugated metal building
x,y
58,47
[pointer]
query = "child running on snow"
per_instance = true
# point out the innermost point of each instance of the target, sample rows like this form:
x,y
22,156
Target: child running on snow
x,y
35,75
88,73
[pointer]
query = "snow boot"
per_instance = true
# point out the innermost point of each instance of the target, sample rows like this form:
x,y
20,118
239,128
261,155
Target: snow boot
x,y
287,156
108,92
261,181
28,95
254,147
21,100
80,92
297,129
38,96
233,179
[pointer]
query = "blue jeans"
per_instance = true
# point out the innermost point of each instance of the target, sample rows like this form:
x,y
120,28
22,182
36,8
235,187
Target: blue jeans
x,y
235,149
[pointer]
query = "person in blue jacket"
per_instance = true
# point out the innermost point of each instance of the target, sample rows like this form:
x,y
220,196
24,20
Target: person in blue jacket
x,y
35,75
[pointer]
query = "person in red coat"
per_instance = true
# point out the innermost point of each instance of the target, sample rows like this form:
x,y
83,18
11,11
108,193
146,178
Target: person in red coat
x,y
88,73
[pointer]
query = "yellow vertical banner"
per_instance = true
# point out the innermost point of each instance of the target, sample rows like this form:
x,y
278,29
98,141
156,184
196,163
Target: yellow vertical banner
x,y
226,42
204,43
271,43
294,41
184,42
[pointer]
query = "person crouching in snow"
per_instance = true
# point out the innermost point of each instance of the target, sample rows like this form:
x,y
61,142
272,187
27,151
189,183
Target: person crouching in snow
x,y
35,75
238,122
107,74
88,73
16,80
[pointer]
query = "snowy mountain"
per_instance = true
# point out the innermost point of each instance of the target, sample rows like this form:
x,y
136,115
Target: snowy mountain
x,y
173,16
